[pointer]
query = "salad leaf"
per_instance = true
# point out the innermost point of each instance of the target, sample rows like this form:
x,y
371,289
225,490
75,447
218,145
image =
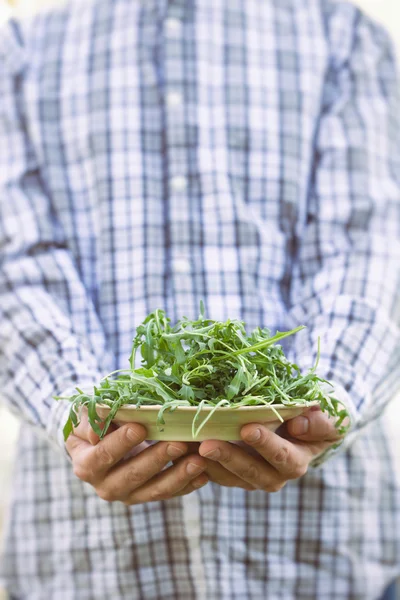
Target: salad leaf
x,y
204,363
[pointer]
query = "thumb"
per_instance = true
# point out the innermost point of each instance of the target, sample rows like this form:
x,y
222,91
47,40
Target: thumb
x,y
85,432
313,426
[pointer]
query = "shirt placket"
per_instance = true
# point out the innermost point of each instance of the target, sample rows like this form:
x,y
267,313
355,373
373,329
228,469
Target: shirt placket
x,y
180,267
181,295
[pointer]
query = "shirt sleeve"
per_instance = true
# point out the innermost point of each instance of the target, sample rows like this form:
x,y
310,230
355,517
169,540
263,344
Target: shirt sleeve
x,y
346,277
50,334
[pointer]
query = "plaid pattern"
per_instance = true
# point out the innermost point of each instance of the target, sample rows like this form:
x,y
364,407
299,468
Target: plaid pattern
x,y
156,153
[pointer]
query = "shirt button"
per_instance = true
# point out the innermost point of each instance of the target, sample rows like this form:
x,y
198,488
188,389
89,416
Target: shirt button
x,y
181,265
178,183
174,99
173,27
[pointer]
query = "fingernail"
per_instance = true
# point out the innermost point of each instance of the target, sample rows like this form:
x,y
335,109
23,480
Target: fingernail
x,y
194,469
300,426
213,454
253,436
93,438
132,435
174,451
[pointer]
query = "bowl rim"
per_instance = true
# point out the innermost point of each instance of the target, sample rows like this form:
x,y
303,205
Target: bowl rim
x,y
157,407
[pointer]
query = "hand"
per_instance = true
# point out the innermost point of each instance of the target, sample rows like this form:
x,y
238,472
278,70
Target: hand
x,y
141,478
270,461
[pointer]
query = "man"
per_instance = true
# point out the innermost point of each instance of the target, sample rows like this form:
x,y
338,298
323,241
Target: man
x,y
154,154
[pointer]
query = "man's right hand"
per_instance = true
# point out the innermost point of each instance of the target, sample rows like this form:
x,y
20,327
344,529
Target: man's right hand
x,y
142,478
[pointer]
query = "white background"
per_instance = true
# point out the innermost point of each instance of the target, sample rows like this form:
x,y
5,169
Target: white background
x,y
385,11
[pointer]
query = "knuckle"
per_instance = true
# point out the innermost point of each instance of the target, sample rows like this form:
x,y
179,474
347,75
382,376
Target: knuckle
x,y
69,445
226,457
188,490
103,455
81,472
275,487
250,488
252,473
161,458
298,470
106,494
281,456
133,477
332,433
155,494
131,500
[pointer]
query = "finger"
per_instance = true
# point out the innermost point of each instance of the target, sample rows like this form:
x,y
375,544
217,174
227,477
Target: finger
x,y
92,463
76,445
135,472
85,431
250,469
219,474
289,459
195,484
138,449
314,426
169,482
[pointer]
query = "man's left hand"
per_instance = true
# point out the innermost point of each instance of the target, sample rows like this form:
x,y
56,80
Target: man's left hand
x,y
266,460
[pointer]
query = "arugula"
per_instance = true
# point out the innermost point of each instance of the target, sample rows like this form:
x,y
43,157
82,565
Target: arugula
x,y
204,363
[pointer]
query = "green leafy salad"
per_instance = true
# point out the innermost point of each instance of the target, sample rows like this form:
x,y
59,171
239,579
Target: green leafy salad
x,y
203,363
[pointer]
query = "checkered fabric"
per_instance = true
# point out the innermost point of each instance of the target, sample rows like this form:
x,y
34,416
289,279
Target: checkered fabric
x,y
153,154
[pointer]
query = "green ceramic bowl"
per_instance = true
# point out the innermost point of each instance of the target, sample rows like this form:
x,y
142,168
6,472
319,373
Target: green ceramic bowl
x,y
225,423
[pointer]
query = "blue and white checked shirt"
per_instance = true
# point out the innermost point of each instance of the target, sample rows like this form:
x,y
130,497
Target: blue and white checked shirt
x,y
152,154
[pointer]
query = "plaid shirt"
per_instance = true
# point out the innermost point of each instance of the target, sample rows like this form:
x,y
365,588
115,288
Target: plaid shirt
x,y
153,154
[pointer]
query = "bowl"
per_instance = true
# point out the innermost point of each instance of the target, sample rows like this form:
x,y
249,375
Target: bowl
x,y
225,423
